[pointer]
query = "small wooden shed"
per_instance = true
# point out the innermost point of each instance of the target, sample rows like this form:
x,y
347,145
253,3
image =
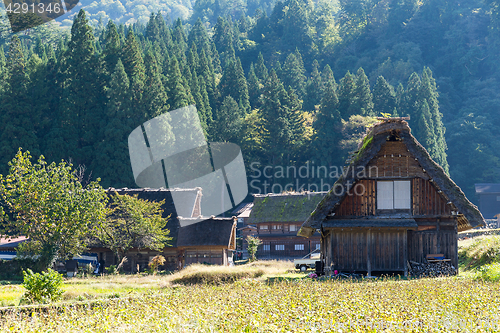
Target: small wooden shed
x,y
392,204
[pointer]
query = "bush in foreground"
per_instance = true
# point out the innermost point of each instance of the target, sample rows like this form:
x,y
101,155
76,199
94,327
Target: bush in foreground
x,y
42,287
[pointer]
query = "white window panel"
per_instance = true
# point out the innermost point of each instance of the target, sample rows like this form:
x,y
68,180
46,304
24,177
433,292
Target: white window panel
x,y
318,246
385,195
299,247
279,247
263,227
402,195
266,247
293,227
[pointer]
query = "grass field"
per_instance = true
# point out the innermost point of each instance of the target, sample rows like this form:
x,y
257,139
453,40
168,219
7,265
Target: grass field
x,y
245,299
301,306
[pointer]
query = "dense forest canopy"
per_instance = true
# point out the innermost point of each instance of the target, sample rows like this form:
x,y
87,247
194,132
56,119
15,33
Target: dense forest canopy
x,y
293,82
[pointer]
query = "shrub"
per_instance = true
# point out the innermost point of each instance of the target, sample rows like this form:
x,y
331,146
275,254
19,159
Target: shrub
x,y
156,262
42,287
253,245
111,269
490,272
483,250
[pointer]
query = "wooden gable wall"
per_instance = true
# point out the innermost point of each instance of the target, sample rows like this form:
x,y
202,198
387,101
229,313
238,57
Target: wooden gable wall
x,y
393,161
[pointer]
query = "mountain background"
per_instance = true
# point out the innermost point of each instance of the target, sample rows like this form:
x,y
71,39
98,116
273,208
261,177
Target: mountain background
x,y
292,82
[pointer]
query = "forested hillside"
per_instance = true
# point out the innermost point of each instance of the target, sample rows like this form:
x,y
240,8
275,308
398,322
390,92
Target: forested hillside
x,y
291,82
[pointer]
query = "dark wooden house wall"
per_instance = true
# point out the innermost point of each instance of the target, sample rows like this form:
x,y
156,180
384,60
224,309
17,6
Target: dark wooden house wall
x,y
433,238
365,250
426,200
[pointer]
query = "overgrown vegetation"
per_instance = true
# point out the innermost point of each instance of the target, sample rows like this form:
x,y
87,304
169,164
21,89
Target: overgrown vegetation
x,y
48,204
441,304
480,257
42,287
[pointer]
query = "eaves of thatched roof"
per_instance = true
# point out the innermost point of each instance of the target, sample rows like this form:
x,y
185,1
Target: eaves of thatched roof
x,y
468,216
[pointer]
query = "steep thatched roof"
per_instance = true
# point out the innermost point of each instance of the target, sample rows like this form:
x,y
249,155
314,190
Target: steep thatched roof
x,y
288,207
216,231
469,216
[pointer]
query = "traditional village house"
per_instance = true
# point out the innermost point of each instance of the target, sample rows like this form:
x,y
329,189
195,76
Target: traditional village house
x,y
204,240
278,217
489,199
393,205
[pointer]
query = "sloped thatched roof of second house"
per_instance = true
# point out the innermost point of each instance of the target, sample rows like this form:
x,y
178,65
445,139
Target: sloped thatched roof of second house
x,y
215,231
287,207
469,215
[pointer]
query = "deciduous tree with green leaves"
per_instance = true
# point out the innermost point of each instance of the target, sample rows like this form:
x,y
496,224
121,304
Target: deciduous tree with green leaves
x,y
49,205
253,245
132,222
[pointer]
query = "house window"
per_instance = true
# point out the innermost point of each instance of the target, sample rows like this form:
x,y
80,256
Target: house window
x,y
293,227
393,194
279,247
277,226
318,246
266,248
263,227
299,247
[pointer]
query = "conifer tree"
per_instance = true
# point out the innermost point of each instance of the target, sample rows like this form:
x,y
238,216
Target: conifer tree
x,y
83,95
152,29
112,163
155,98
428,92
3,72
293,74
261,69
206,103
327,77
327,127
411,96
112,46
198,36
279,120
424,130
362,100
133,64
384,97
346,91
234,84
19,121
177,95
253,87
313,88
207,72
400,94
199,101
229,122
223,38
179,36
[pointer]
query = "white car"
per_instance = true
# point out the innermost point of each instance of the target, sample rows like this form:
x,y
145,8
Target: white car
x,y
309,261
